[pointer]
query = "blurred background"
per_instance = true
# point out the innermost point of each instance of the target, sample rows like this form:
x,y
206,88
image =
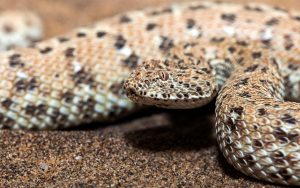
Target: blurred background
x,y
62,15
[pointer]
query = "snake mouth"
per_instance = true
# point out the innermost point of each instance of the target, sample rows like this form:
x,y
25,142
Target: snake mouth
x,y
132,94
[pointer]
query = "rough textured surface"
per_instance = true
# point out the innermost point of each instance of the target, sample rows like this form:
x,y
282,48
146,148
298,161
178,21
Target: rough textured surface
x,y
165,151
157,154
257,130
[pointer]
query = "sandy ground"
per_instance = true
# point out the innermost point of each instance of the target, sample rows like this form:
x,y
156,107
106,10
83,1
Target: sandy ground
x,y
154,148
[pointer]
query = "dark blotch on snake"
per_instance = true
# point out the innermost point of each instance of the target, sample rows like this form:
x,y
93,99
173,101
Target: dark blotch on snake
x,y
100,34
150,26
131,61
125,19
69,52
46,50
120,42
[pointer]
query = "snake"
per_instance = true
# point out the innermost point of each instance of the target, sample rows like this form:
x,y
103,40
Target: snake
x,y
172,56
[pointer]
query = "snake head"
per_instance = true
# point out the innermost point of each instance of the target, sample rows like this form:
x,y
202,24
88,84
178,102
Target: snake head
x,y
166,85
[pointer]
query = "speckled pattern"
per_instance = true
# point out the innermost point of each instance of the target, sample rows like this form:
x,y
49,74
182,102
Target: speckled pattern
x,y
257,131
158,154
32,143
78,77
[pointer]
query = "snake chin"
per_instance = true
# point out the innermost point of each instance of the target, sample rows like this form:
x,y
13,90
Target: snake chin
x,y
163,100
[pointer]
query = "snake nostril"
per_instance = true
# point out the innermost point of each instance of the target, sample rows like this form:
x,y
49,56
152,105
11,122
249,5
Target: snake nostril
x,y
130,92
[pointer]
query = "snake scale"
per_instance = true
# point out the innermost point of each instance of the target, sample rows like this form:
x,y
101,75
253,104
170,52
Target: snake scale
x,y
180,56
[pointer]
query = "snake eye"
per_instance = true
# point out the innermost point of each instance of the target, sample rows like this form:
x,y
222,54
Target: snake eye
x,y
163,75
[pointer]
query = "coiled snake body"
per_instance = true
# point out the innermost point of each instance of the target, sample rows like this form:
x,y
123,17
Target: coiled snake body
x,y
191,51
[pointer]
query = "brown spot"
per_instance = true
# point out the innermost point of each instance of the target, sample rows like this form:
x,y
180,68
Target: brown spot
x,y
8,123
6,103
199,90
266,42
206,70
81,34
132,61
217,39
242,43
289,46
228,17
297,18
46,50
242,161
58,118
87,107
100,34
179,95
166,44
190,23
280,133
120,42
8,28
117,88
67,96
256,55
277,155
285,174
240,60
245,94
280,162
125,19
30,110
83,77
239,110
256,8
150,26
231,124
250,159
258,144
63,39
242,82
228,140
15,60
197,7
280,9
287,118
189,54
262,112
69,52
164,11
231,49
22,85
114,111
273,21
274,62
264,70
1,118
251,68
41,109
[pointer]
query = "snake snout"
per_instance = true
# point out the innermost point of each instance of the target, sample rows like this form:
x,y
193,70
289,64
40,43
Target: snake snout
x,y
130,92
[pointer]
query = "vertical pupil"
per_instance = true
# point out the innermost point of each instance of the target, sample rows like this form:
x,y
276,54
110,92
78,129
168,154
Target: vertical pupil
x,y
163,75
